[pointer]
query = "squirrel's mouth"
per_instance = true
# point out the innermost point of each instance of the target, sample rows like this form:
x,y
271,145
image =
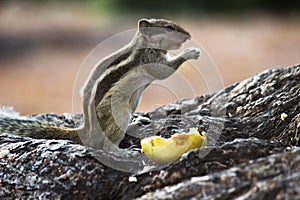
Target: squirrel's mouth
x,y
178,45
185,40
188,37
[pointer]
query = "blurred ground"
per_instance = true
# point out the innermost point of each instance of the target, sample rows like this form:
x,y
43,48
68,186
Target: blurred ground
x,y
42,48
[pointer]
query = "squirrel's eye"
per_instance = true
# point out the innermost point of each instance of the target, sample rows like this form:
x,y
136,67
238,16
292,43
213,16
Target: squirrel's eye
x,y
170,28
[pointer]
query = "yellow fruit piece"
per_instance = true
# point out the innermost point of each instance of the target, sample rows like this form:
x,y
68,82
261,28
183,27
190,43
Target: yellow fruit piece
x,y
283,116
162,151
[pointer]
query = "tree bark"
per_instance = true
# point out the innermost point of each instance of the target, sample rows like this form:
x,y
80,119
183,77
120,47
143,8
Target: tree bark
x,y
252,153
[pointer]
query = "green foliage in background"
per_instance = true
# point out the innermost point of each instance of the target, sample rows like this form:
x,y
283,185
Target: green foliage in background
x,y
198,6
186,7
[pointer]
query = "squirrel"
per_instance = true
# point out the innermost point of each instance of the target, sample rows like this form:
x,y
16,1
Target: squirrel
x,y
113,90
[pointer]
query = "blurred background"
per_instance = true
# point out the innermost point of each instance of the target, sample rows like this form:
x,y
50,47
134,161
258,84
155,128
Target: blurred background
x,y
43,42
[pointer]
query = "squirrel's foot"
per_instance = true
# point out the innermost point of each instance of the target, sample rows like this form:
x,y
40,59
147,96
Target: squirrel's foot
x,y
191,53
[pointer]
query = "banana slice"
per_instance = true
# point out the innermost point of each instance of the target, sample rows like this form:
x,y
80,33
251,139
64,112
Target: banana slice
x,y
163,151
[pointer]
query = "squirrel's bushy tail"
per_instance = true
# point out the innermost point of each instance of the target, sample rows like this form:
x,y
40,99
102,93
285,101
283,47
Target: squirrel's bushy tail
x,y
35,127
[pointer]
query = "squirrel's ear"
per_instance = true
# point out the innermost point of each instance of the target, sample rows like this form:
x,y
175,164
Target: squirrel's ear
x,y
143,25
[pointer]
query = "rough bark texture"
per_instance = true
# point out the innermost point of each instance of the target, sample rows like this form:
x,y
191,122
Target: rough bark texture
x,y
252,153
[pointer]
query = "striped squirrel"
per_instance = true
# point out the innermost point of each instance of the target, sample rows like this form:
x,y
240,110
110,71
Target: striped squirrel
x,y
114,87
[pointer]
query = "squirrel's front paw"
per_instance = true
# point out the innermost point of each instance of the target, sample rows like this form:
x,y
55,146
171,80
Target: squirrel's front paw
x,y
191,53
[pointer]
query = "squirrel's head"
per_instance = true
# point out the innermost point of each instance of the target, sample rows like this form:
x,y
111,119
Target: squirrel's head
x,y
162,34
